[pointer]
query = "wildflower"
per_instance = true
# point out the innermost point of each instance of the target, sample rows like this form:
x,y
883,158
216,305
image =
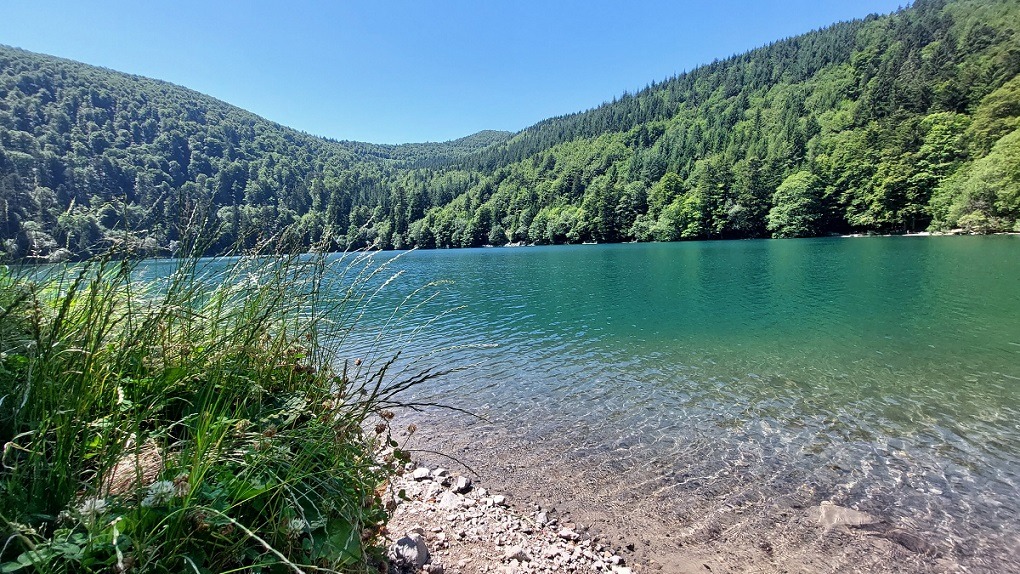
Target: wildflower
x,y
295,526
160,493
91,508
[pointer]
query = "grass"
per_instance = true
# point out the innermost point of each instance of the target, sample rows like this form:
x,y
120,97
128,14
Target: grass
x,y
202,421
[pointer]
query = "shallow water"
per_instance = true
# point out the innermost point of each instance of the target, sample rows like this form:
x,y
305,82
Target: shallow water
x,y
880,373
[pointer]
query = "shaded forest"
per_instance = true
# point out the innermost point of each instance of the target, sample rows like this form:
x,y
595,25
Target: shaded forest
x,y
891,124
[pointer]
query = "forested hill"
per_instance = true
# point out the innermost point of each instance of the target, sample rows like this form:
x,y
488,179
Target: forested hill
x,y
897,123
432,154
90,157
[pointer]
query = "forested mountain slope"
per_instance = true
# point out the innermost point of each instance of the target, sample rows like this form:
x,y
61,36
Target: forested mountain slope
x,y
889,124
89,157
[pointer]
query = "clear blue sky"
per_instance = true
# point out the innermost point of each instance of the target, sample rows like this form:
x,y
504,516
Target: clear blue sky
x,y
392,71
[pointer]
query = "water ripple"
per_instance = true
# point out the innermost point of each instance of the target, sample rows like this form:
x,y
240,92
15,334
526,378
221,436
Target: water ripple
x,y
879,373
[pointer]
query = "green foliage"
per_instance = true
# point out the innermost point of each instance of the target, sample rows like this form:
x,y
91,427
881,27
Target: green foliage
x,y
797,207
984,197
202,421
884,111
998,114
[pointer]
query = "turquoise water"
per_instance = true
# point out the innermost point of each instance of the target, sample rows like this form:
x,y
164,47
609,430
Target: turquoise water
x,y
881,373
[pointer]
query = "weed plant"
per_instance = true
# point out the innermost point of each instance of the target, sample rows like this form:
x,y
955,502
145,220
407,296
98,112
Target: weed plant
x,y
199,421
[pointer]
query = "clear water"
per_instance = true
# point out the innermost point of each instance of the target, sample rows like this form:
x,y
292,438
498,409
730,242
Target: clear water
x,y
880,373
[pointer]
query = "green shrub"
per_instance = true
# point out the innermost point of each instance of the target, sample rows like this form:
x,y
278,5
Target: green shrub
x,y
200,421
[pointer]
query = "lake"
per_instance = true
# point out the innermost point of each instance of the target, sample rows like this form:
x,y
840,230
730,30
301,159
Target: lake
x,y
879,373
700,380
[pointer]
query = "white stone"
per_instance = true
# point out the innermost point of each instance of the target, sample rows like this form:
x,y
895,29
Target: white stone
x,y
550,552
516,553
449,500
568,534
831,515
462,484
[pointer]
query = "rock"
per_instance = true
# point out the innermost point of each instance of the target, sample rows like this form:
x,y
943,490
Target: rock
x,y
439,474
421,473
410,552
621,570
516,553
542,519
550,552
568,534
436,568
499,500
462,484
449,500
912,542
616,560
831,515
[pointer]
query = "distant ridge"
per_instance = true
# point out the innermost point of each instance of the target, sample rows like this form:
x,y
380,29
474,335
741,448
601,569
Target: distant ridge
x,y
889,124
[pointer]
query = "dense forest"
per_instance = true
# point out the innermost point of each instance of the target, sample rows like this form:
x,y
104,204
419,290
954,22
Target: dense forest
x,y
891,124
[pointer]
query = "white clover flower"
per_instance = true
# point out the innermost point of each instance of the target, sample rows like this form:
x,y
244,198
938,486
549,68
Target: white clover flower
x,y
160,493
91,508
295,526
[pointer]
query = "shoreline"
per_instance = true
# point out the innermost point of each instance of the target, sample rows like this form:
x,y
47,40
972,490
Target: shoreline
x,y
630,518
446,523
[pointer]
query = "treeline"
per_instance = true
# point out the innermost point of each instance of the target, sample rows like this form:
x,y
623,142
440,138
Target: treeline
x,y
90,157
889,124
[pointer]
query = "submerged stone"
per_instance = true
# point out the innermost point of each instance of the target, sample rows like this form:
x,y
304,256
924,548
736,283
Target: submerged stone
x,y
831,515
